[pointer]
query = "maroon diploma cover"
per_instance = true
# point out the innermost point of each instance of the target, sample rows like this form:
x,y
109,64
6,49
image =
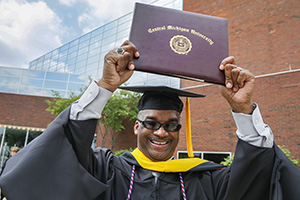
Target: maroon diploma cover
x,y
179,43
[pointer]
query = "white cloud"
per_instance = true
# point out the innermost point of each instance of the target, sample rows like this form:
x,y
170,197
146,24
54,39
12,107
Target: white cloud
x,y
67,2
100,12
27,31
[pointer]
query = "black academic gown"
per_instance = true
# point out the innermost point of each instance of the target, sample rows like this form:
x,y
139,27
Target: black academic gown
x,y
60,165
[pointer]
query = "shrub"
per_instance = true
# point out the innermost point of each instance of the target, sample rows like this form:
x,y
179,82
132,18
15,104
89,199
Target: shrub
x,y
227,161
120,152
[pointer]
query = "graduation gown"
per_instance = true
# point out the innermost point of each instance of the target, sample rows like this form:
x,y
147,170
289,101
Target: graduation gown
x,y
60,164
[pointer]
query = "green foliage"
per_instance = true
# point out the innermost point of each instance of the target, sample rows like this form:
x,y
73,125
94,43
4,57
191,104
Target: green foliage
x,y
288,154
122,105
59,104
120,152
16,137
227,161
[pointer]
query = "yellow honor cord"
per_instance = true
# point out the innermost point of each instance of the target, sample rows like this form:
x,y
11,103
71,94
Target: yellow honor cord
x,y
176,165
189,144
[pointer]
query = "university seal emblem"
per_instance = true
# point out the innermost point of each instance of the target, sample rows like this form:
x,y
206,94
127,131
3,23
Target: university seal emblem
x,y
180,44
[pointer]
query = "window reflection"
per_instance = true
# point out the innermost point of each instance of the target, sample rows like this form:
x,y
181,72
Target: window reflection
x,y
75,86
8,88
110,32
97,40
57,76
85,37
78,78
33,74
74,42
10,71
94,52
83,44
123,34
64,47
97,31
30,91
50,93
25,82
80,70
110,25
126,18
9,80
109,39
124,26
107,48
55,85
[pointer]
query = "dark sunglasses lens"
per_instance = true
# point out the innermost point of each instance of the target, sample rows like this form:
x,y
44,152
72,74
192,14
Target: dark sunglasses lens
x,y
172,126
152,125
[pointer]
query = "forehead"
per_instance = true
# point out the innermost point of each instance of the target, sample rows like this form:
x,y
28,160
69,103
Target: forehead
x,y
159,114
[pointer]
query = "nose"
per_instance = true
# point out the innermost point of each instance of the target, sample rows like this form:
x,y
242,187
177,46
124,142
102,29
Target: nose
x,y
161,132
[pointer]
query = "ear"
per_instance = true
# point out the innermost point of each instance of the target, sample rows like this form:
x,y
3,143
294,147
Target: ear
x,y
136,127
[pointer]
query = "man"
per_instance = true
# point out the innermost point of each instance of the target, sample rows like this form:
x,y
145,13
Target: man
x,y
61,165
13,151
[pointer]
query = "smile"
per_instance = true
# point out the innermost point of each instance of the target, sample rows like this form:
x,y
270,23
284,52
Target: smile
x,y
159,143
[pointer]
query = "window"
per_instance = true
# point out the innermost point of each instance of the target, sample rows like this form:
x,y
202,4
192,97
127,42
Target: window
x,y
56,76
215,157
26,82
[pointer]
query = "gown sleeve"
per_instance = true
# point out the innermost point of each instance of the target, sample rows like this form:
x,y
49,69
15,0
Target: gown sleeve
x,y
260,170
55,165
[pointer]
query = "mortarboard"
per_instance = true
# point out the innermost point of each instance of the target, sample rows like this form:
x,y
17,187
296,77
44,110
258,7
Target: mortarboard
x,y
166,98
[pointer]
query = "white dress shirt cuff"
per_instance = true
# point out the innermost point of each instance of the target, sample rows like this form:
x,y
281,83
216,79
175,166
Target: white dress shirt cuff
x,y
252,129
91,103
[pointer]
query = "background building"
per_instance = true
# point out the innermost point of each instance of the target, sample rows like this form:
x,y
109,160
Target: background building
x,y
263,36
67,69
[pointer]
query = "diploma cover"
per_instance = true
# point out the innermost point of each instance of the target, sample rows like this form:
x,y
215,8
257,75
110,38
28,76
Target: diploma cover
x,y
179,43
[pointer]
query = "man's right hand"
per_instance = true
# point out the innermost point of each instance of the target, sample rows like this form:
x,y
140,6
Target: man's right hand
x,y
118,68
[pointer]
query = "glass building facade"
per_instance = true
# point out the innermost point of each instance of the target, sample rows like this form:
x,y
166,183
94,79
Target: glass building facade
x,y
40,83
85,55
70,67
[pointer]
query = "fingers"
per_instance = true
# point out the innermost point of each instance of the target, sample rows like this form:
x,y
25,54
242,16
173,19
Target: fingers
x,y
125,61
227,60
236,77
118,66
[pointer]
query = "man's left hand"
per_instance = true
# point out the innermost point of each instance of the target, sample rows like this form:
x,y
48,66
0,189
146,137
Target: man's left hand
x,y
239,84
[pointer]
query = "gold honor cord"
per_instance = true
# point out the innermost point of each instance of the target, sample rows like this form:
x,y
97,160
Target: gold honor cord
x,y
189,144
176,165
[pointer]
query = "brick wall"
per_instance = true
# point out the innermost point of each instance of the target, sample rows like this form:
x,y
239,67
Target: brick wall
x,y
24,110
264,36
213,128
124,140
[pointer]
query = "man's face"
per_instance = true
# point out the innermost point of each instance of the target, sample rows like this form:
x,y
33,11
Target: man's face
x,y
157,145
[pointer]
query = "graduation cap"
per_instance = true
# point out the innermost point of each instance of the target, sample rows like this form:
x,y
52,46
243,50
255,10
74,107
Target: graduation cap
x,y
166,98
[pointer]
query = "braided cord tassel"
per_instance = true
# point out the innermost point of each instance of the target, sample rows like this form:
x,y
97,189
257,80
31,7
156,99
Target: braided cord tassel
x,y
182,187
131,182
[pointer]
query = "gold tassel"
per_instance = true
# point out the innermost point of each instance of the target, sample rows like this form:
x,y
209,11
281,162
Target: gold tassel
x,y
189,144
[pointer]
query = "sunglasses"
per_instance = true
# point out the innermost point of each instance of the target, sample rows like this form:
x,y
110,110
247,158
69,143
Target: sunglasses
x,y
153,125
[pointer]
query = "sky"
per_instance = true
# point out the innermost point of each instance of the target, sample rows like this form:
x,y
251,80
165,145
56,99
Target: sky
x,y
31,28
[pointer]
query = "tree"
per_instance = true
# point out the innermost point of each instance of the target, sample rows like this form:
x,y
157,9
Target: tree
x,y
120,152
122,105
59,104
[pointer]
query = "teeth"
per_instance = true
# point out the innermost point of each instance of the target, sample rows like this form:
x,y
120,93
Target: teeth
x,y
160,143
